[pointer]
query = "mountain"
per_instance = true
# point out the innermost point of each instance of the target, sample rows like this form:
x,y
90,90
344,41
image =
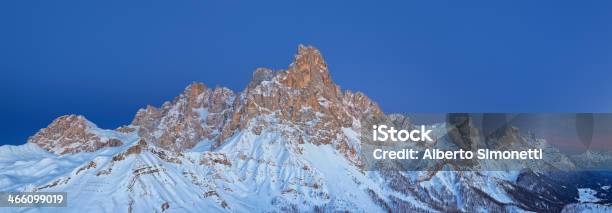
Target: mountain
x,y
290,141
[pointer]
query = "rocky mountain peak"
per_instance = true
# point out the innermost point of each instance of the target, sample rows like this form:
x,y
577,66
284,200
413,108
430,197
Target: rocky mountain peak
x,y
194,89
71,134
309,55
195,115
309,69
303,96
260,75
71,121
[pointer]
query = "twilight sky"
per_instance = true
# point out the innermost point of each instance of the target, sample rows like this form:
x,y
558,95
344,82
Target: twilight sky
x,y
107,59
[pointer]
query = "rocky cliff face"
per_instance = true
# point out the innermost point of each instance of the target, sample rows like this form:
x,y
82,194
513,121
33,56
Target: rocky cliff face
x,y
72,134
198,114
305,96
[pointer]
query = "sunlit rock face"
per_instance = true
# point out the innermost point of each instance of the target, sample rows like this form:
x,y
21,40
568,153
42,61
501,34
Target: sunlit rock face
x,y
304,96
195,115
72,134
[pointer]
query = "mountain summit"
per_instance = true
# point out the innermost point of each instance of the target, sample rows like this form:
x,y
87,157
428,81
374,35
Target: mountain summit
x,y
309,69
71,134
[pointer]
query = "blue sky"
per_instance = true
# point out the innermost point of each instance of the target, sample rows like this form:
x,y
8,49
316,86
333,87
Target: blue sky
x,y
107,59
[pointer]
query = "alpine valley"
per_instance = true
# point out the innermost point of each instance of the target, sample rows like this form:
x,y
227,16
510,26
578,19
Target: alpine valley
x,y
289,142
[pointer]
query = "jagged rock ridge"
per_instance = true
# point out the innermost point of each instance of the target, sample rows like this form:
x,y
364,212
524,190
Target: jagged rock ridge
x,y
302,93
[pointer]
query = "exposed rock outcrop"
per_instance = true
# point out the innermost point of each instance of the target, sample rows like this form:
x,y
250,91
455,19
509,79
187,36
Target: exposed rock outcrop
x,y
305,96
71,134
195,115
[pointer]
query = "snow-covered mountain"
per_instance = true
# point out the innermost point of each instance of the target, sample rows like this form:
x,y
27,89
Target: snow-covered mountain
x,y
290,141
